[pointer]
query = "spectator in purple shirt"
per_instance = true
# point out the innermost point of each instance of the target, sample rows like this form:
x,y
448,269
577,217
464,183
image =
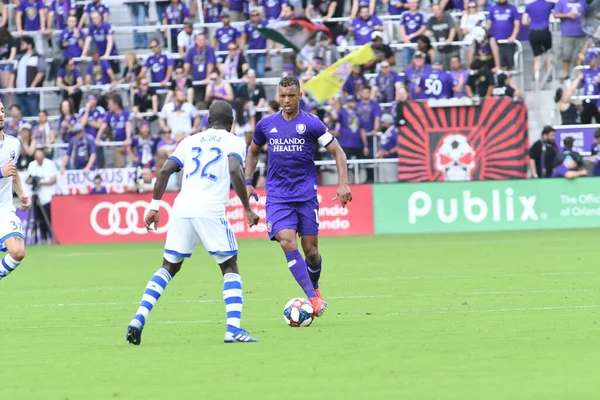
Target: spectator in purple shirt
x,y
236,9
413,74
568,169
364,25
176,13
91,116
94,5
436,83
369,113
570,13
503,25
98,188
81,152
99,72
160,66
537,16
591,87
212,11
119,121
387,85
225,34
395,8
69,79
34,13
67,120
388,150
144,146
412,25
355,81
460,76
100,34
59,11
256,41
272,8
200,62
352,137
72,39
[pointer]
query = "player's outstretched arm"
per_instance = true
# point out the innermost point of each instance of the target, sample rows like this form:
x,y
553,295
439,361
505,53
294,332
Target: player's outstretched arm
x,y
168,169
237,181
343,192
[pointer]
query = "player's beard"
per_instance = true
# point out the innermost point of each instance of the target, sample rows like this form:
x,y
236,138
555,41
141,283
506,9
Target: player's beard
x,y
2,126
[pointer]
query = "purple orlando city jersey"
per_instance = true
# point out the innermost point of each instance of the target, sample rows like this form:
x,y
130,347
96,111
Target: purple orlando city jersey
x,y
412,77
272,8
31,13
539,13
226,36
395,7
158,66
436,85
349,129
93,116
237,5
69,78
99,34
145,149
363,29
98,72
412,23
389,141
590,87
72,50
176,13
291,172
62,9
256,41
117,123
80,150
568,26
96,6
367,111
503,20
455,76
199,60
560,171
387,87
212,12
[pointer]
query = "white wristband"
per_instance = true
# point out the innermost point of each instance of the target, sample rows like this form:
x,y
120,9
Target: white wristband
x,y
155,205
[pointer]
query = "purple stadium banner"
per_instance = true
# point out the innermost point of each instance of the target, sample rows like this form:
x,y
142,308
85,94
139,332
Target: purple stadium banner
x,y
583,135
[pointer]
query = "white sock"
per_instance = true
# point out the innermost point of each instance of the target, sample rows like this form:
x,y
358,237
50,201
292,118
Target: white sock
x,y
8,265
232,295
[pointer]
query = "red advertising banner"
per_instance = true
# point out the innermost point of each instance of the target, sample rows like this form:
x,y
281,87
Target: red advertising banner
x,y
120,217
482,142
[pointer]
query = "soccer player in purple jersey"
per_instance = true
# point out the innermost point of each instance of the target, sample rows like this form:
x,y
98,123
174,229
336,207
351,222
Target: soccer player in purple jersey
x,y
292,136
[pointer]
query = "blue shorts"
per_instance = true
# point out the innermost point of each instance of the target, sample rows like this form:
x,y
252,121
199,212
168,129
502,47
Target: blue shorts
x,y
10,67
301,216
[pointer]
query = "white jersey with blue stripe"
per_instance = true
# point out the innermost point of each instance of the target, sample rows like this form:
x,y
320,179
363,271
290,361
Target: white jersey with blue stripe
x,y
9,153
204,159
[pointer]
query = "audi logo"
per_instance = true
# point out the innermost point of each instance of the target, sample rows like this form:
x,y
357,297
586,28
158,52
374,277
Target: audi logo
x,y
133,222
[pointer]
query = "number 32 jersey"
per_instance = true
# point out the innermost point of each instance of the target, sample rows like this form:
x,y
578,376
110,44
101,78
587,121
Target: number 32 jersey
x,y
204,159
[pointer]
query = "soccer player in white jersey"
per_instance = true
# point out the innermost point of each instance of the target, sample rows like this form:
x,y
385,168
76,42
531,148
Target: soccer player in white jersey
x,y
11,232
211,161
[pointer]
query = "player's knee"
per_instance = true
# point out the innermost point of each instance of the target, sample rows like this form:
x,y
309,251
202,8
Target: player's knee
x,y
229,266
171,268
288,243
312,255
17,254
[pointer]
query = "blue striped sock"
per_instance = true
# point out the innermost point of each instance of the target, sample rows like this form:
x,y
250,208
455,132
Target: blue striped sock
x,y
232,295
7,265
155,288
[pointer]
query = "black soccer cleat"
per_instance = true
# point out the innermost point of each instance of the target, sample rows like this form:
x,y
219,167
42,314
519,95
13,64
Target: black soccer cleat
x,y
134,335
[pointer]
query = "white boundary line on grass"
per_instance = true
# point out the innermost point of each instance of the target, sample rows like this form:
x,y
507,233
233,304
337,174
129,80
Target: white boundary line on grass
x,y
400,296
419,312
419,277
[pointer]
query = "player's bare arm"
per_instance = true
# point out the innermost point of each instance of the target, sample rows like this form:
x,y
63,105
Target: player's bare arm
x,y
160,186
343,191
251,163
18,189
237,181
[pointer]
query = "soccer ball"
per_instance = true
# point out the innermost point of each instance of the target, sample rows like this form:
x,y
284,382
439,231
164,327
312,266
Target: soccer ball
x,y
298,312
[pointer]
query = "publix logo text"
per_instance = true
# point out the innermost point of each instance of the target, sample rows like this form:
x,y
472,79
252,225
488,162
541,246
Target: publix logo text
x,y
499,205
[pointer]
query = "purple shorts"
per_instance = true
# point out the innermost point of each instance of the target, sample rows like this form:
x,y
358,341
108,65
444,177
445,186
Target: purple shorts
x,y
302,216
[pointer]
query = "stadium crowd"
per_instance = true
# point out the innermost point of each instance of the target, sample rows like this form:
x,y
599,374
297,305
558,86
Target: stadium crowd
x,y
467,53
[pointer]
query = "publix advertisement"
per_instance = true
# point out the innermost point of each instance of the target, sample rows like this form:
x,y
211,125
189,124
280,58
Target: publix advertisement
x,y
487,205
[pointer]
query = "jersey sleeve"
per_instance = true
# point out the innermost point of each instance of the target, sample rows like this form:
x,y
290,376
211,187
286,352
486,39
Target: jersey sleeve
x,y
17,153
179,154
320,132
237,148
259,135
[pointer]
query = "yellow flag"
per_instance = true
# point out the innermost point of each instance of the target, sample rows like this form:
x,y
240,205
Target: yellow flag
x,y
331,80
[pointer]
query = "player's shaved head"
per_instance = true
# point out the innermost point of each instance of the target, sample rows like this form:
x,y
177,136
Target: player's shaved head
x,y
220,115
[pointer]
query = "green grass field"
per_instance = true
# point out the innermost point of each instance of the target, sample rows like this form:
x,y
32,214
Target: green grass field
x,y
469,316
